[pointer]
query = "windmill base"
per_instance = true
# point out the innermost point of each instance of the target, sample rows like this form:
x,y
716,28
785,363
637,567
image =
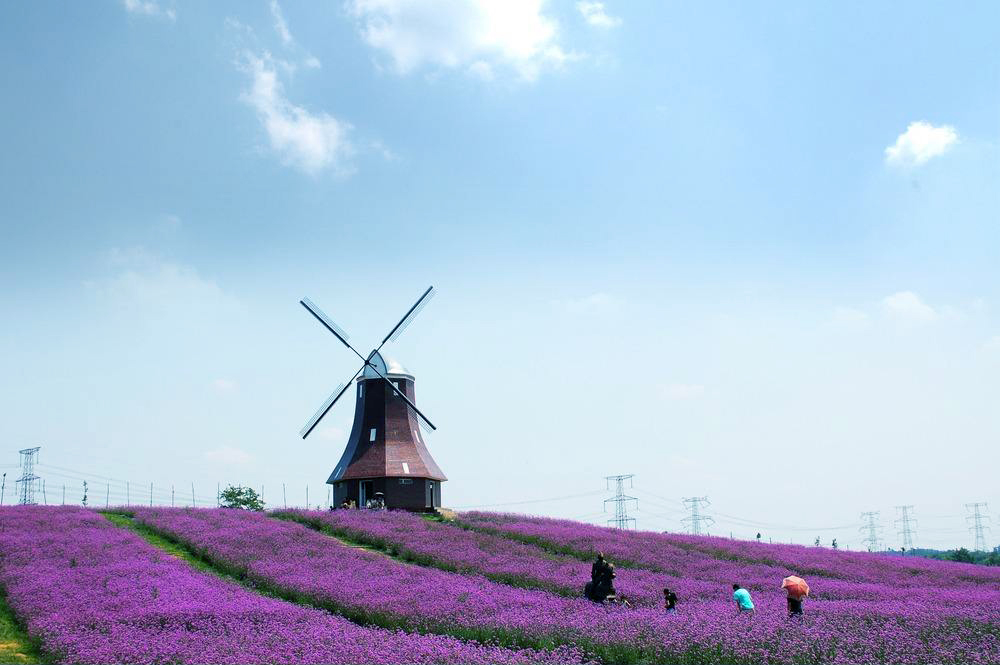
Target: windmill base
x,y
415,494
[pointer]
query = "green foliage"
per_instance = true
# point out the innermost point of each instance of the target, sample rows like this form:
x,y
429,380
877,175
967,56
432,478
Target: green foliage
x,y
85,494
834,544
961,555
244,498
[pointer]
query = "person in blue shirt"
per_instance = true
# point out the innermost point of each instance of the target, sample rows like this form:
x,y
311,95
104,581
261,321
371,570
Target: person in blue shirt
x,y
743,600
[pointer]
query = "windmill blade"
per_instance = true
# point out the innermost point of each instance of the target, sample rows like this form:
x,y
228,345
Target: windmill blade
x,y
409,316
326,321
420,416
327,405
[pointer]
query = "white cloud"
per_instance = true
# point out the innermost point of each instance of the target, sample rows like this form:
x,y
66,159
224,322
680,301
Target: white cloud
x,y
228,455
920,142
224,385
143,279
307,141
682,391
596,302
149,8
312,62
595,15
908,306
280,25
848,318
478,36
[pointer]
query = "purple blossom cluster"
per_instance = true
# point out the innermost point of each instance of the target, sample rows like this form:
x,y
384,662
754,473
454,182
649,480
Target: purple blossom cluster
x,y
449,547
302,563
91,592
898,585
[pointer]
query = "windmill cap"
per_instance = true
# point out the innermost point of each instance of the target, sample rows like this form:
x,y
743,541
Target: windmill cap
x,y
387,366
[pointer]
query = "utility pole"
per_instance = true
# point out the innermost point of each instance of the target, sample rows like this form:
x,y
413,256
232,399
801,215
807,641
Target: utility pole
x,y
621,501
171,496
906,531
128,497
28,481
3,487
192,495
871,530
284,498
64,494
107,496
697,518
978,515
307,497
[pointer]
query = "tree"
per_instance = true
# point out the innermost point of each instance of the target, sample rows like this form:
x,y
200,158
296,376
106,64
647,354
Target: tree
x,y
834,544
245,498
961,555
84,494
817,541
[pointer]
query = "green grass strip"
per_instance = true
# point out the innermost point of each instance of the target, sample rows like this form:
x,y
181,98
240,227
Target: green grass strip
x,y
15,645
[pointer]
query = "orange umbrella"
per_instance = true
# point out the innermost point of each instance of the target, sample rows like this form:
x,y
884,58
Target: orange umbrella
x,y
795,586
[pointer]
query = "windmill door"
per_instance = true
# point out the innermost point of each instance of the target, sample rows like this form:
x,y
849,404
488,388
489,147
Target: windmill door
x,y
366,492
429,494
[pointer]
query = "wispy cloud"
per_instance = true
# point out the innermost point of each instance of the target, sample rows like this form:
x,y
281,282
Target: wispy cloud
x,y
477,36
280,25
149,8
919,143
140,278
596,302
228,455
310,142
907,305
850,319
224,385
595,14
683,391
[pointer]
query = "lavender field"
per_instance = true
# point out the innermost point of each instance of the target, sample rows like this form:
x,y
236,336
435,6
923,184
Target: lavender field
x,y
295,587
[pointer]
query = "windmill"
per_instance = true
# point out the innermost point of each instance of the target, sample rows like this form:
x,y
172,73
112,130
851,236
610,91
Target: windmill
x,y
385,451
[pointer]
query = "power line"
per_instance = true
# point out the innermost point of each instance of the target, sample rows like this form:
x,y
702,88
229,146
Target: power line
x,y
906,531
697,517
978,516
621,501
871,531
520,503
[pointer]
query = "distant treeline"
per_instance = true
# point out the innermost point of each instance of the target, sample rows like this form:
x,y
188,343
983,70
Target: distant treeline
x,y
961,555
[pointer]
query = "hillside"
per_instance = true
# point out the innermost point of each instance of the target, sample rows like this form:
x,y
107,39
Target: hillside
x,y
298,586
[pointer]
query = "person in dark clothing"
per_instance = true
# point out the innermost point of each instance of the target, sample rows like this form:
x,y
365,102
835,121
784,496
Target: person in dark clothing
x,y
794,607
669,601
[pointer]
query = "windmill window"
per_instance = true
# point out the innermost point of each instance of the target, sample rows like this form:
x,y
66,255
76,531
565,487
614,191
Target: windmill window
x,y
406,467
406,481
371,435
361,390
395,384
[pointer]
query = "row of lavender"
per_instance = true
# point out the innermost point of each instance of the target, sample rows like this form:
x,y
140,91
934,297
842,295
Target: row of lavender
x,y
892,584
90,592
449,547
300,563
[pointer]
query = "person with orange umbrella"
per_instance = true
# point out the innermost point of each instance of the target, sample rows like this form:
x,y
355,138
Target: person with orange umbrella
x,y
797,590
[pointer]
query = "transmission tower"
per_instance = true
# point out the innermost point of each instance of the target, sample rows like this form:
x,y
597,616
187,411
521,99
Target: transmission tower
x,y
871,531
621,501
978,516
905,520
697,518
28,481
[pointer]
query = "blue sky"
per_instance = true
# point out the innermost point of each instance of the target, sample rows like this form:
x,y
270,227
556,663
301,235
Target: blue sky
x,y
713,245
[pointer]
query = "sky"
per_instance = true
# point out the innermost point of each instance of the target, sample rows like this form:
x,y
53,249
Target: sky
x,y
744,252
